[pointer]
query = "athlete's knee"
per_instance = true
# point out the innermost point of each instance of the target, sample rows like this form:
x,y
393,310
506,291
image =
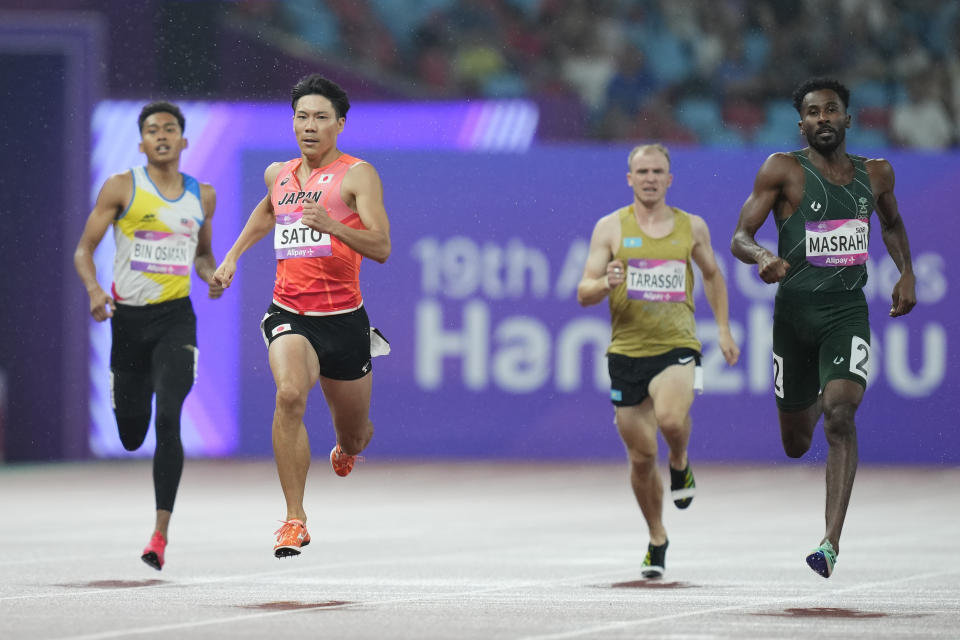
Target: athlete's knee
x,y
291,399
838,421
795,442
133,430
796,446
642,461
354,438
672,422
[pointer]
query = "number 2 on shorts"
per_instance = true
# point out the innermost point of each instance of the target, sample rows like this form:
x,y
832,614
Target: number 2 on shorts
x,y
778,375
859,357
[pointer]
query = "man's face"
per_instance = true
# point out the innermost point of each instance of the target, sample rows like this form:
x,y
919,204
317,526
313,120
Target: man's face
x,y
316,125
823,120
649,176
161,138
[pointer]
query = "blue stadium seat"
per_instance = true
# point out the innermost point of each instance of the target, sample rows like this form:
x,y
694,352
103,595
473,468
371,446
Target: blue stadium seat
x,y
860,138
700,115
871,93
781,115
725,137
313,22
404,18
779,138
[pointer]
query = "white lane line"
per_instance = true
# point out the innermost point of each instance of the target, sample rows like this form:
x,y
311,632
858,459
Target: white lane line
x,y
624,624
136,631
181,583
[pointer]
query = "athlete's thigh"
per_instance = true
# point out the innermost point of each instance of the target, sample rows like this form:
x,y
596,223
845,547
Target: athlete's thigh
x,y
175,356
348,400
796,376
131,380
131,345
343,345
293,362
637,426
672,389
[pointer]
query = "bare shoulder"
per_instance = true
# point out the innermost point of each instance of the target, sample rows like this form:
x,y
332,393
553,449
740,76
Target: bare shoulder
x,y
362,171
609,221
606,232
881,176
879,167
208,198
271,172
117,190
122,180
780,164
698,226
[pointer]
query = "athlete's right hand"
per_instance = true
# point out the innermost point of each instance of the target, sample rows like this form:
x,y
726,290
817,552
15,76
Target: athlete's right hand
x,y
223,276
102,306
772,268
616,274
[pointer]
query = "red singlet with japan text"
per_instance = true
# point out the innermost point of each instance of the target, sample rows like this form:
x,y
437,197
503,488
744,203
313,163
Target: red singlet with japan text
x,y
316,274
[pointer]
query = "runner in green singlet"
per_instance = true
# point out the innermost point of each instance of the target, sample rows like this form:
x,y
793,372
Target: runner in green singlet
x,y
822,198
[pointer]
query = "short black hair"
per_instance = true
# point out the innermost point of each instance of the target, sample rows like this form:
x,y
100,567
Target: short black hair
x,y
815,84
317,84
161,106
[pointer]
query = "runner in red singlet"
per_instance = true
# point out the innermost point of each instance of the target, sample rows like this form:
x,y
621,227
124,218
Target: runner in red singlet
x,y
326,212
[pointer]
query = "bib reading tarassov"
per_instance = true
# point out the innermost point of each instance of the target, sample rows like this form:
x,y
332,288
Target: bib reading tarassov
x,y
657,280
161,252
293,239
837,243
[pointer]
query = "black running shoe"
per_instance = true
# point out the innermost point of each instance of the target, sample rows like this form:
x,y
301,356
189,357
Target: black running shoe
x,y
682,487
653,565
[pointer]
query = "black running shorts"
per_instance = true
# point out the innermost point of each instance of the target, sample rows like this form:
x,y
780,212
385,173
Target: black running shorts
x,y
630,377
341,341
138,330
818,338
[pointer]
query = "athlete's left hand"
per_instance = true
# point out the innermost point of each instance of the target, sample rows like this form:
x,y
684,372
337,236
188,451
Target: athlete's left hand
x,y
215,289
729,348
316,217
904,296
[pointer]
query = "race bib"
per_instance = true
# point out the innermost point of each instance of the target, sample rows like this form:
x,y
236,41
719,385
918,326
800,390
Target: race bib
x,y
837,243
657,280
293,239
161,252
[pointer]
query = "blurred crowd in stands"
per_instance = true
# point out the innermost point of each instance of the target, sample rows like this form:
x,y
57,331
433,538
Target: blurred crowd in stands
x,y
699,71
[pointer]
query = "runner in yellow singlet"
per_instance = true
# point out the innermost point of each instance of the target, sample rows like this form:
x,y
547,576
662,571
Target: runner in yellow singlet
x,y
162,228
641,257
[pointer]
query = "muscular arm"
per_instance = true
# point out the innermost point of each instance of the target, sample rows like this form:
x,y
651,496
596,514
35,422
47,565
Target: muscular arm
x,y
714,287
894,236
258,225
768,188
204,261
112,199
602,273
363,188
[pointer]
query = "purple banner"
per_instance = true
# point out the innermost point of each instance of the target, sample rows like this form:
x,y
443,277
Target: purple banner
x,y
492,356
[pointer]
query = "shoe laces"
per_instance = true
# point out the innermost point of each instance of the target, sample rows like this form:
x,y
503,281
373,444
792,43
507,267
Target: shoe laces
x,y
346,457
827,549
287,526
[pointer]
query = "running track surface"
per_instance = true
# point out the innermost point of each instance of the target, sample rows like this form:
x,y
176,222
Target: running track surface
x,y
474,550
